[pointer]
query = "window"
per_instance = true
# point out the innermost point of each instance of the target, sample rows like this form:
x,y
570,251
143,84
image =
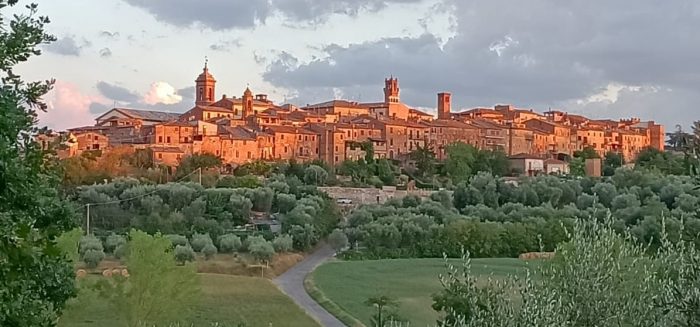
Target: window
x,y
244,142
336,148
160,139
179,157
236,153
167,139
391,142
362,132
217,152
285,149
211,94
299,137
336,158
391,130
348,133
301,151
249,155
282,137
95,138
160,156
306,138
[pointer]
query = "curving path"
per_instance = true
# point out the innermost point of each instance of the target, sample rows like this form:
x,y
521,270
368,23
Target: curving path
x,y
292,284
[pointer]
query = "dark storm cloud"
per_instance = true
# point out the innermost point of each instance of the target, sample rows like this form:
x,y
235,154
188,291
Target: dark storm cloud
x,y
66,46
117,93
229,14
540,52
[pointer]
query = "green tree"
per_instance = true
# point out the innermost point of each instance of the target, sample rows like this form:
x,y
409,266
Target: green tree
x,y
425,160
612,161
315,175
36,279
197,161
460,161
157,291
384,315
338,240
587,153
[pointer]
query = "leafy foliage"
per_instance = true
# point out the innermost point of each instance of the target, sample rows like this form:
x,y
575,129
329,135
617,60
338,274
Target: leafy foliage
x,y
157,290
36,279
183,254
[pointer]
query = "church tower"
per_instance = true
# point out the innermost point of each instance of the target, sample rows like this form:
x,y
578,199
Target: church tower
x,y
205,87
247,103
391,90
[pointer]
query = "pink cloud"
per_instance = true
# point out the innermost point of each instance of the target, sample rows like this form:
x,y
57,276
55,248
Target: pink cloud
x,y
68,107
162,92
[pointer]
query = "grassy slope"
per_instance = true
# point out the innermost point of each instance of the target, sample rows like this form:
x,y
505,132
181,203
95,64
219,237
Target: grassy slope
x,y
410,281
225,299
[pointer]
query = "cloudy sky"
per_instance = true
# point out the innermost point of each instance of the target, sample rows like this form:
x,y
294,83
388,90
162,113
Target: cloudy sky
x,y
601,58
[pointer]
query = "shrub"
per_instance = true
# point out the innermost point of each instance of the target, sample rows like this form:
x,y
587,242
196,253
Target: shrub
x,y
177,240
199,241
229,243
90,243
92,258
184,253
283,243
338,240
113,241
262,251
209,251
252,240
121,251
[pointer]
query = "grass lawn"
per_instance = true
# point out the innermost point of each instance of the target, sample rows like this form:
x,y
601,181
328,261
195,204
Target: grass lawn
x,y
410,281
225,299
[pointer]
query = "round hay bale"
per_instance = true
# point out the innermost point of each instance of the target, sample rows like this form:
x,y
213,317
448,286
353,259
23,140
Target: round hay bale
x,y
81,273
125,273
107,273
116,272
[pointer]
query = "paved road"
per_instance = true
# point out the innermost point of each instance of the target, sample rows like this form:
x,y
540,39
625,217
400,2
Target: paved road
x,y
292,284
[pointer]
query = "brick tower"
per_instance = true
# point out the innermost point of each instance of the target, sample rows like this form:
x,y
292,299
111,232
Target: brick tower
x,y
247,102
444,108
391,90
205,87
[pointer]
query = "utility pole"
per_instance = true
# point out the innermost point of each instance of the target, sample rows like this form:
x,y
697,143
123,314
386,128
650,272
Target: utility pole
x,y
88,219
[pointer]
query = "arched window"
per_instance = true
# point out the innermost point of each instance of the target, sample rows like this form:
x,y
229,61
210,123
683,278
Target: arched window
x,y
201,94
211,94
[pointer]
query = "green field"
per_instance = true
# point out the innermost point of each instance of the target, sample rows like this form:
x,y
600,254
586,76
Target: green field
x,y
225,299
411,281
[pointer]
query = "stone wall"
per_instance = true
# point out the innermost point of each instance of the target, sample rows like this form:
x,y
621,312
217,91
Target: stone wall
x,y
370,195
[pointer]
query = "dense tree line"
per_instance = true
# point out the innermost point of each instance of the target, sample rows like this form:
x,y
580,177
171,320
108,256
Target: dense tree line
x,y
495,217
188,208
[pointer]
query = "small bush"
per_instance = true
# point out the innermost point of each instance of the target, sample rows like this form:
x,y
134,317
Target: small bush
x,y
209,251
229,243
113,241
250,240
177,240
121,251
262,251
90,243
92,258
338,240
283,243
199,241
184,253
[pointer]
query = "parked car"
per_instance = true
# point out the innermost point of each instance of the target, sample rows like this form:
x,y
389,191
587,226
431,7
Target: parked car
x,y
343,201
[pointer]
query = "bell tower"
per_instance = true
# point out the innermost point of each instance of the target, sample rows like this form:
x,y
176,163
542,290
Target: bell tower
x,y
247,102
391,90
205,86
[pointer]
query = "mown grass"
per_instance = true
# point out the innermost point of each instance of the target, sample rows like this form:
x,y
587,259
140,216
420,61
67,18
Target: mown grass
x,y
348,284
225,299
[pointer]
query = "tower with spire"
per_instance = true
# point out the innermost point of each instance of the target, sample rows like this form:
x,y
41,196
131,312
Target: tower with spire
x,y
205,86
247,102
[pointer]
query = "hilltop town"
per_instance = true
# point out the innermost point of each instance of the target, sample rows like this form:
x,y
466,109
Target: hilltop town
x,y
252,127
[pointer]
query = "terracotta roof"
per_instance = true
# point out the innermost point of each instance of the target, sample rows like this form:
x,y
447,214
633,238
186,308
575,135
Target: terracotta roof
x,y
418,112
214,108
524,156
483,123
237,133
168,149
159,116
479,111
449,123
289,130
333,103
387,121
